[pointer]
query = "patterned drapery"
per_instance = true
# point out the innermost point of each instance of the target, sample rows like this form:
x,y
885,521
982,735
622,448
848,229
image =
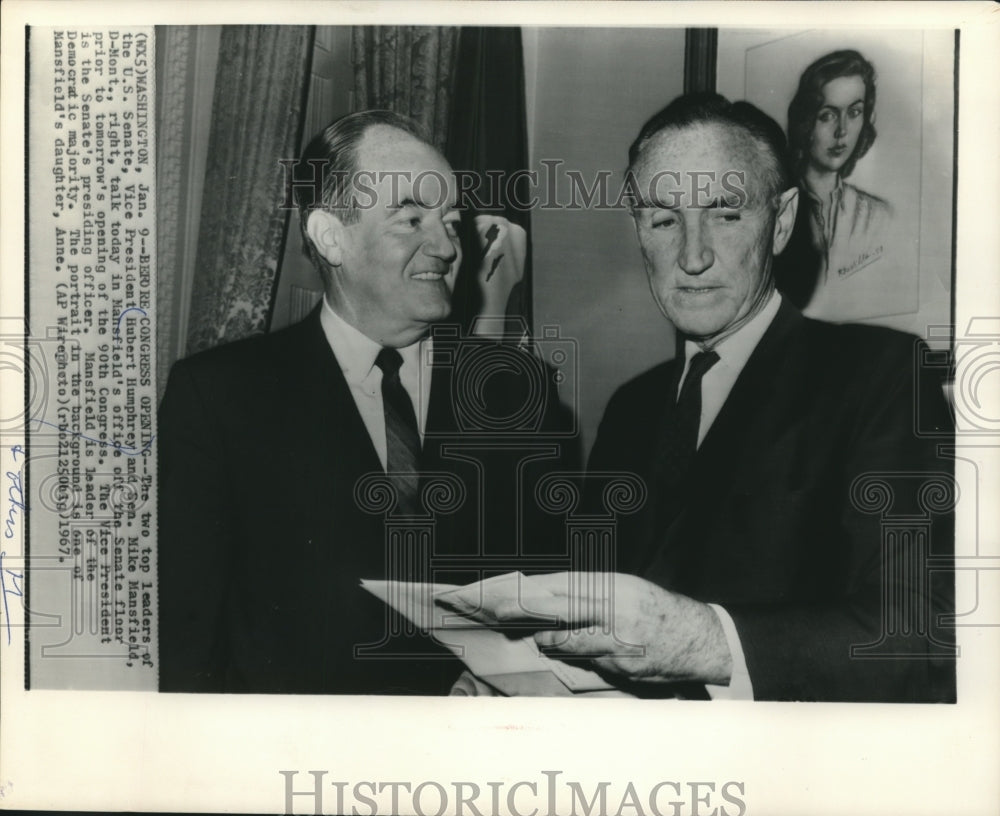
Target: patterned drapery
x,y
256,120
406,69
173,46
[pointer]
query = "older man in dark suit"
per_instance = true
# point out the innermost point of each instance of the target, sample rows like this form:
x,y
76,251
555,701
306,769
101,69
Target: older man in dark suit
x,y
797,533
353,445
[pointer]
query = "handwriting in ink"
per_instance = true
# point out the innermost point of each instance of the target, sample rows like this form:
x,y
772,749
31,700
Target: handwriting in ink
x,y
15,502
15,496
14,589
128,450
118,325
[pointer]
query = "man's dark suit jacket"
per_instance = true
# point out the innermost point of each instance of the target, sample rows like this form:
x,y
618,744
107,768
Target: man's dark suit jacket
x,y
812,462
262,543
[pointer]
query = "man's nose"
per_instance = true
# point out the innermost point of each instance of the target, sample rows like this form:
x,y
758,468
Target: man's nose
x,y
696,254
439,243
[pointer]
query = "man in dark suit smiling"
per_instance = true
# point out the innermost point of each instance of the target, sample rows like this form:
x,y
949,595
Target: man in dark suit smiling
x,y
268,517
791,546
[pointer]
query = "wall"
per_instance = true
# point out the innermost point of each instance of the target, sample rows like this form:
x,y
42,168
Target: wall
x,y
588,93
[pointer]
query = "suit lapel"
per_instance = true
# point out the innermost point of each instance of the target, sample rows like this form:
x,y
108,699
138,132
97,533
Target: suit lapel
x,y
661,508
343,443
440,410
717,460
753,388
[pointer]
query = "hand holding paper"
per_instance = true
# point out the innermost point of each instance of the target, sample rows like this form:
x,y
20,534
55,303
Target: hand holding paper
x,y
508,660
503,599
627,626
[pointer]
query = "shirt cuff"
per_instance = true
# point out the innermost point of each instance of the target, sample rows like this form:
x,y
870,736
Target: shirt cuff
x,y
740,687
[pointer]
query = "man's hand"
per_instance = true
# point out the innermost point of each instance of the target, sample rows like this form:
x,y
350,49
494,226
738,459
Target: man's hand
x,y
503,247
628,627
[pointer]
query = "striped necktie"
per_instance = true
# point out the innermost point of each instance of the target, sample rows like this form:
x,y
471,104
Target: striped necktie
x,y
402,437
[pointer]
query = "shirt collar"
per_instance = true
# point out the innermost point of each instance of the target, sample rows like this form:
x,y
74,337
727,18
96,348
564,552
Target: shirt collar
x,y
836,195
355,351
735,350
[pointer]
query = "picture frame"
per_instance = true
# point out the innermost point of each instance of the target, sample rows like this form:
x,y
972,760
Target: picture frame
x,y
899,274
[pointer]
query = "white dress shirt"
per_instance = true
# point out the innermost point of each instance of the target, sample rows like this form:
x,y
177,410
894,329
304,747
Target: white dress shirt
x,y
717,382
356,353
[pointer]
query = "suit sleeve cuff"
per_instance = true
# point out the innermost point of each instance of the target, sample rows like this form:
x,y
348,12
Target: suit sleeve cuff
x,y
740,687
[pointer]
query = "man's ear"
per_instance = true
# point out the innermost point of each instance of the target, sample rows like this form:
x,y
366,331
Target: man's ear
x,y
326,231
633,214
788,205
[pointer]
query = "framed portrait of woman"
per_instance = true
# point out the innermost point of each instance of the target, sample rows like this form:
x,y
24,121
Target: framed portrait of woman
x,y
870,123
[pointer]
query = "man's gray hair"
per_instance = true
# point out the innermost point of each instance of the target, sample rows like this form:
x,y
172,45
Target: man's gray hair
x,y
695,109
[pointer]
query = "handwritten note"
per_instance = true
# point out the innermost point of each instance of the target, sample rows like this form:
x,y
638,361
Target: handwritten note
x,y
15,508
10,585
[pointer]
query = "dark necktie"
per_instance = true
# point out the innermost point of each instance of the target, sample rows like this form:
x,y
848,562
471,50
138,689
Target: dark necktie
x,y
675,448
402,437
680,439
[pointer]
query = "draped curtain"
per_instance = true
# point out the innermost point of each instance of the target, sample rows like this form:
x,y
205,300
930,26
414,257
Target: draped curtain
x,y
488,131
172,46
408,70
257,116
701,47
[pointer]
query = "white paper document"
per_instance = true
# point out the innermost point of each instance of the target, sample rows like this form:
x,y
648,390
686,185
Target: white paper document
x,y
501,657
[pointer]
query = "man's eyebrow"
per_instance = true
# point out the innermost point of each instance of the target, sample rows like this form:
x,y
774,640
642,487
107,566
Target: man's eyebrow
x,y
412,201
732,201
719,202
654,203
409,201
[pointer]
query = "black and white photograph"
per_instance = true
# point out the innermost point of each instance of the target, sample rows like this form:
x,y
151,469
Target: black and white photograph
x,y
404,405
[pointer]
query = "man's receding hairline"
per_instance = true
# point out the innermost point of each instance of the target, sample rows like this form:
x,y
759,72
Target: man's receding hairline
x,y
735,136
366,136
732,130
